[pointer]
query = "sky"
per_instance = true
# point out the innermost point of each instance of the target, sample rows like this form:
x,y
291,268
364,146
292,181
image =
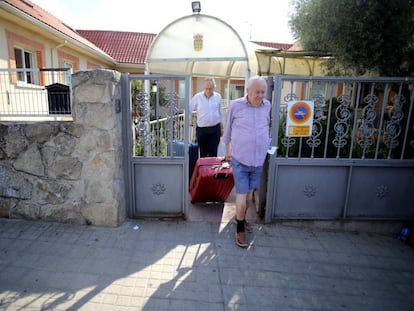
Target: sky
x,y
256,20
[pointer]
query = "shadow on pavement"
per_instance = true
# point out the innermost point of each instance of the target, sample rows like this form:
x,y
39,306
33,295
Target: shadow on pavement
x,y
51,266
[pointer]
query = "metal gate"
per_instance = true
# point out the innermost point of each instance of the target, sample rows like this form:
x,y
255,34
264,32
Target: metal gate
x,y
156,135
358,162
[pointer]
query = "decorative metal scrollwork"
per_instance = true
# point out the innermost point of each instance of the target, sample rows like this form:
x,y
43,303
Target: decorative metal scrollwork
x,y
288,142
381,191
143,126
393,126
172,123
310,191
158,188
341,126
366,129
289,97
314,140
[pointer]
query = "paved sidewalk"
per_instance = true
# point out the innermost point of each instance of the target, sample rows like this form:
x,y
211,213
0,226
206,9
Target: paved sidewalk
x,y
181,265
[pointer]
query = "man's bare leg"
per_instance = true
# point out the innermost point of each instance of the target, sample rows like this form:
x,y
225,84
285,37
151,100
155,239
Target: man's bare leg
x,y
241,200
249,198
249,202
241,239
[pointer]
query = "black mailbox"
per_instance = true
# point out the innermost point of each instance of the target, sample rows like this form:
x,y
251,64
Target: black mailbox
x,y
58,98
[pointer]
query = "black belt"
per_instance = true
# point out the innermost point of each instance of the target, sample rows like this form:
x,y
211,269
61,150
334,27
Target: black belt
x,y
208,127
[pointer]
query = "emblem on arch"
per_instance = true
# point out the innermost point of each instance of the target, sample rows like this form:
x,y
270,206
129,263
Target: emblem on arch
x,y
198,42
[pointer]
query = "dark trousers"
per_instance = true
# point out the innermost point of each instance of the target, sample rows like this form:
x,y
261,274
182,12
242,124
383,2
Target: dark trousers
x,y
208,139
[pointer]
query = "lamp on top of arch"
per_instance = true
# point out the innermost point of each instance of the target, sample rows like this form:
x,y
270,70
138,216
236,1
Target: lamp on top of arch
x,y
196,6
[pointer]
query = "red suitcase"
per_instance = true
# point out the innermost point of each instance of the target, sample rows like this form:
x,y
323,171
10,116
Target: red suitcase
x,y
212,180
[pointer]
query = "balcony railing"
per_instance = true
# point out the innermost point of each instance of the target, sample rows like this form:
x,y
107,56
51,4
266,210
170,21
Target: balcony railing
x,y
158,142
35,94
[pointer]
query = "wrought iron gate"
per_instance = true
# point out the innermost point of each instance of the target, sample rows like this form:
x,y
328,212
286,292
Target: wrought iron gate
x,y
156,135
357,163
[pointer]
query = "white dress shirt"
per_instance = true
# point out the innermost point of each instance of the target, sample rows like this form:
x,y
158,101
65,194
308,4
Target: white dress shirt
x,y
208,109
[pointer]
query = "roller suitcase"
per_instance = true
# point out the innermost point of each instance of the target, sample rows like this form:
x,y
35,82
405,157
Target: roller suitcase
x,y
212,180
175,148
193,151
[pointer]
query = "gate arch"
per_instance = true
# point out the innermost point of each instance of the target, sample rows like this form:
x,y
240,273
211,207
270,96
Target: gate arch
x,y
200,45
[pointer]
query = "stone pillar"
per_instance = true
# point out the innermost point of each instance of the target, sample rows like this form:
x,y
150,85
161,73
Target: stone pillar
x,y
100,148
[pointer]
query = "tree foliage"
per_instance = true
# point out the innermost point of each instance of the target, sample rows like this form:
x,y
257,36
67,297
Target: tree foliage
x,y
365,36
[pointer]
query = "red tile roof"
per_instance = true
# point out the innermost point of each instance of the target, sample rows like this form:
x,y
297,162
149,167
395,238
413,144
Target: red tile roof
x,y
279,46
124,47
48,19
132,47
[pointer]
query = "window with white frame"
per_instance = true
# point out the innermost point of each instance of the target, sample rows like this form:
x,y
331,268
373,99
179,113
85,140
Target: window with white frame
x,y
26,59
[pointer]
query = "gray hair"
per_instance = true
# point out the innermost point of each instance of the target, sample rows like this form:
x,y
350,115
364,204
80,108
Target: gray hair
x,y
256,79
210,80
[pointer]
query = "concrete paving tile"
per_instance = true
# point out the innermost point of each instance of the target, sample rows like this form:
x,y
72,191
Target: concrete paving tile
x,y
210,306
90,306
123,300
183,304
109,298
185,291
234,294
110,307
139,291
9,244
211,295
156,304
137,302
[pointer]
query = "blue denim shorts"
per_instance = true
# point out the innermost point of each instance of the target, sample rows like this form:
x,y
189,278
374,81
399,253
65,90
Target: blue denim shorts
x,y
245,177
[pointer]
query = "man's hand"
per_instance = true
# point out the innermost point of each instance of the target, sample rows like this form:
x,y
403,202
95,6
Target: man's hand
x,y
227,155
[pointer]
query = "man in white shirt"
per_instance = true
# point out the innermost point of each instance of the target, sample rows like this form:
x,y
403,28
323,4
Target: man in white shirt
x,y
207,104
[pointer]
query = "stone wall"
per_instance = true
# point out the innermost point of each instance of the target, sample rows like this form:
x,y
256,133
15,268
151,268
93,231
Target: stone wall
x,y
68,171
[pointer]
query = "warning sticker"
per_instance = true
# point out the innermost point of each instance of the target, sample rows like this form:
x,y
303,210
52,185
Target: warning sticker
x,y
299,118
298,130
